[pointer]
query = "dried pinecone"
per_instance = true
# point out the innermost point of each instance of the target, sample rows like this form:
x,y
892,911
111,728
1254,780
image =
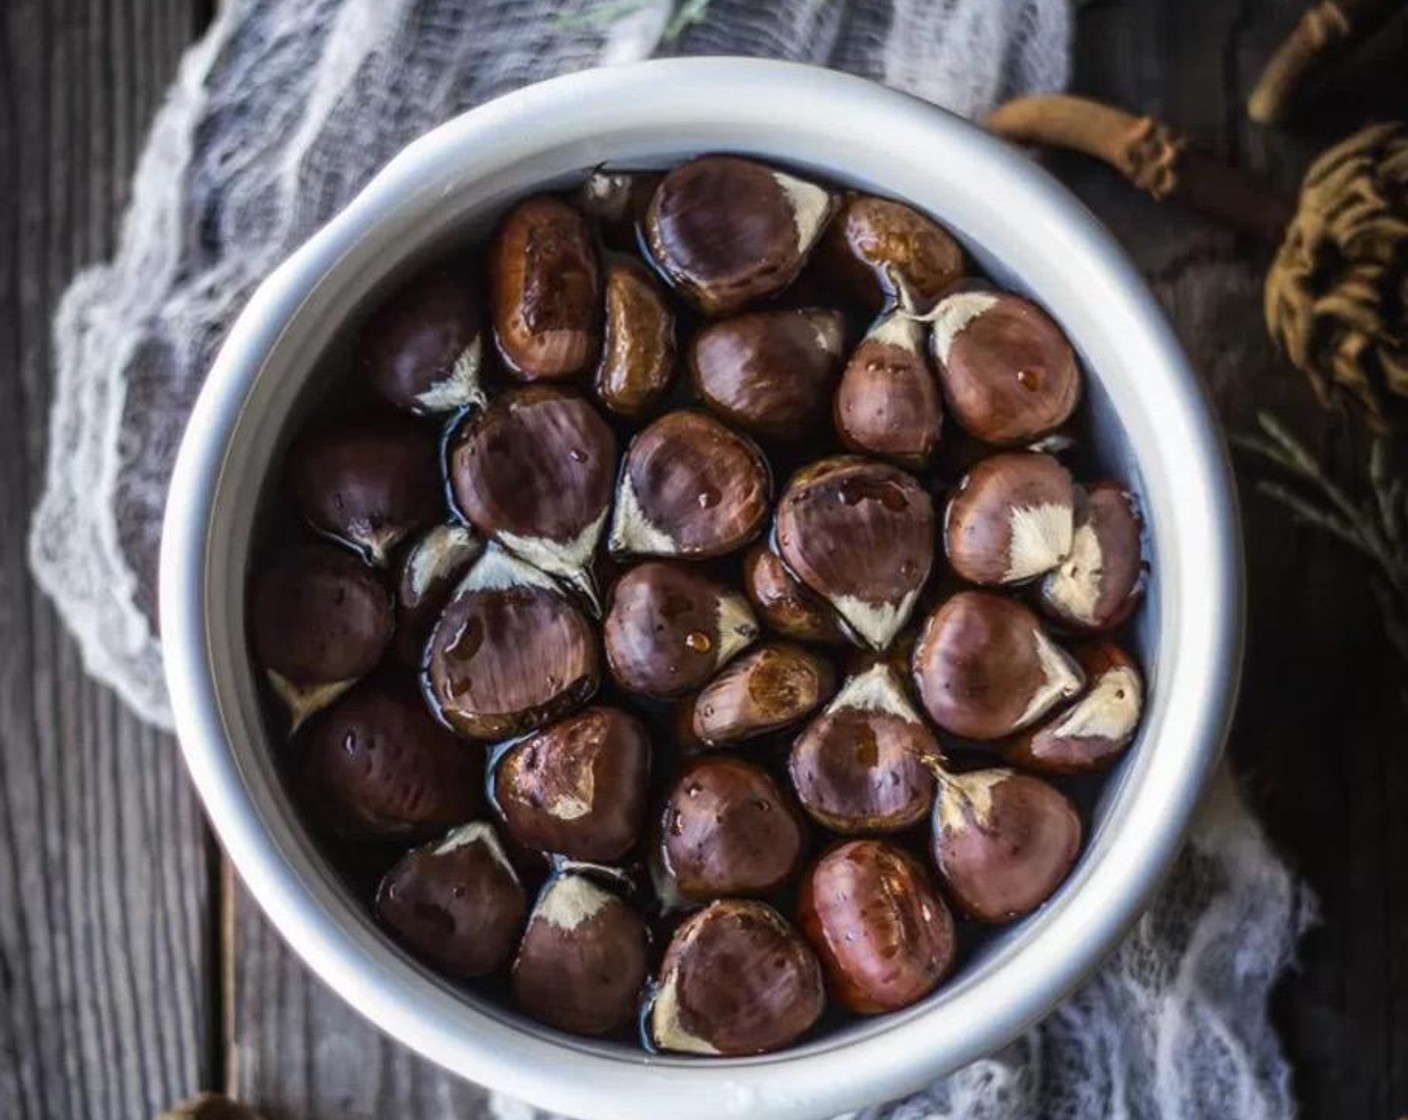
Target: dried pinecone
x,y
1337,293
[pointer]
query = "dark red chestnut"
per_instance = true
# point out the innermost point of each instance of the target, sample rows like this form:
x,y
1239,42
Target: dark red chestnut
x,y
1011,519
426,573
884,936
581,966
511,652
689,487
888,402
765,689
456,902
785,605
736,979
578,786
1003,842
884,253
861,535
728,830
616,201
1098,584
638,356
1008,374
546,286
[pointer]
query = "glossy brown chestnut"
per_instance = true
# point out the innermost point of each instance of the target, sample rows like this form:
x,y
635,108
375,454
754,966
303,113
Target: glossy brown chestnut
x,y
511,652
577,787
638,355
669,628
884,253
884,936
785,605
1008,374
985,667
888,402
1003,842
860,766
1101,580
736,979
766,689
426,573
727,231
319,621
727,830
770,372
456,902
689,487
546,285
423,349
581,966
368,485
1095,729
378,766
861,535
616,201
1011,519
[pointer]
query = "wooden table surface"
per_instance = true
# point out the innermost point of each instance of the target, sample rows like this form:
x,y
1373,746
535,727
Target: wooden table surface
x,y
131,975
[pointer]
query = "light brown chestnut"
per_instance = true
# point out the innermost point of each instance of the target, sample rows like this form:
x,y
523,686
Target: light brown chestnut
x,y
616,201
456,902
546,284
1003,842
770,372
511,652
861,766
426,573
736,979
727,231
581,966
985,667
1011,519
884,253
534,471
577,788
319,621
638,355
689,487
1096,728
1099,583
786,606
766,689
368,485
669,628
861,535
888,402
884,936
423,349
1008,374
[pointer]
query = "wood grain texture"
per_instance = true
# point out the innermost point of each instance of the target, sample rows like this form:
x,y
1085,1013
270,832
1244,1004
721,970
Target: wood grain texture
x,y
104,865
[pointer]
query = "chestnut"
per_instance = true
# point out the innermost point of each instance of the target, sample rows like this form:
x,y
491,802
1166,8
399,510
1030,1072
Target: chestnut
x,y
423,349
426,573
368,485
1008,374
581,966
638,355
1011,519
616,201
727,830
456,902
1096,728
319,621
727,231
577,787
986,668
546,286
736,979
884,253
511,652
884,936
763,690
784,604
861,766
888,402
1003,841
1099,583
689,487
859,533
669,628
770,372
379,767
534,471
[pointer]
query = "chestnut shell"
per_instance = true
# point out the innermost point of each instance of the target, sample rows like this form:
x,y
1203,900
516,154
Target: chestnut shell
x,y
637,361
883,252
766,689
786,605
1011,519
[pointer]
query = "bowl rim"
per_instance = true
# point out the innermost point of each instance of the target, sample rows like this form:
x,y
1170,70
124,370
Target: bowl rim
x,y
906,1050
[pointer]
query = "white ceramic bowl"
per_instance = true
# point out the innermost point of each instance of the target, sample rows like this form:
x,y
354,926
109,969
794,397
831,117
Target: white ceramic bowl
x,y
1154,429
